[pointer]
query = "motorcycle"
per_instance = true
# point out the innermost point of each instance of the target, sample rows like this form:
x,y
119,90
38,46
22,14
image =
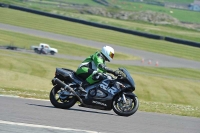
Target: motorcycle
x,y
41,51
110,93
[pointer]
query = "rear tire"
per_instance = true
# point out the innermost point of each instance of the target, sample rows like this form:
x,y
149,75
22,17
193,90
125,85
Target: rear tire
x,y
36,50
127,109
61,103
52,52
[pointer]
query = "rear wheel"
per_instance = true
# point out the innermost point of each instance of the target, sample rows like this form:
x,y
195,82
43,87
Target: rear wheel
x,y
125,108
52,52
61,99
36,50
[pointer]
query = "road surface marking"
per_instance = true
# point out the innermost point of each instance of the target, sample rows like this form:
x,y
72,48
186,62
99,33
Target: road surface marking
x,y
43,126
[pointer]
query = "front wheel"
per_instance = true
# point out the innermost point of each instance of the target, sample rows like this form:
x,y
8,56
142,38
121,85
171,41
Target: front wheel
x,y
61,99
127,107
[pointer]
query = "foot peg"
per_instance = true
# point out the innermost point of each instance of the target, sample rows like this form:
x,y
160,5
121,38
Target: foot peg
x,y
83,92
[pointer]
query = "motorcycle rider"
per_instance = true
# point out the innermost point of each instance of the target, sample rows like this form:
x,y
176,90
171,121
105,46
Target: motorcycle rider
x,y
41,50
92,67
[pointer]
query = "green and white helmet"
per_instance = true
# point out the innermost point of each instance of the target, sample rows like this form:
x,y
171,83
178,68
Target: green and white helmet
x,y
108,52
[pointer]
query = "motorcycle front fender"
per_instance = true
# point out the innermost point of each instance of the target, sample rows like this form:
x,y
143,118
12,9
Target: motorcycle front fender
x,y
52,81
130,94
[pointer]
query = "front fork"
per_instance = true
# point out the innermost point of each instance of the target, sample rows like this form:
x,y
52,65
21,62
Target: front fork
x,y
123,98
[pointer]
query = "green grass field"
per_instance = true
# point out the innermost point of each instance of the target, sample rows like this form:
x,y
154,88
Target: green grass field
x,y
191,16
163,30
29,20
164,90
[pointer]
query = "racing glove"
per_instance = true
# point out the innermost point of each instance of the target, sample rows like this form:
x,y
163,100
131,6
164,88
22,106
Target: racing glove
x,y
102,66
117,73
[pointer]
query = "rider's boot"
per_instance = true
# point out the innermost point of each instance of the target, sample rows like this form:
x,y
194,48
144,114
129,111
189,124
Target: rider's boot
x,y
81,88
83,92
85,84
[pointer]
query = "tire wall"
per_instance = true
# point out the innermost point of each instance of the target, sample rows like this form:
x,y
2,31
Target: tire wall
x,y
185,42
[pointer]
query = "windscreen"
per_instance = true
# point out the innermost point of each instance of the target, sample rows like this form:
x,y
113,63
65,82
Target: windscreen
x,y
128,76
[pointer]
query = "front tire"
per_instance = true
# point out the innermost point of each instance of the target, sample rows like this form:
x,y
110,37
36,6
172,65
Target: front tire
x,y
58,102
128,108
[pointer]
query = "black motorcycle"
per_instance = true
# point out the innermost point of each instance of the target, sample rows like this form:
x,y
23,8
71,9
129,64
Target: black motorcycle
x,y
111,93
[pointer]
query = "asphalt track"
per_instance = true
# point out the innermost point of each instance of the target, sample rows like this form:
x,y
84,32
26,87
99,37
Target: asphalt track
x,y
163,60
18,115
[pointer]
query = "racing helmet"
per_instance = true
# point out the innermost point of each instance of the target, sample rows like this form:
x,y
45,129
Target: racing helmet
x,y
108,52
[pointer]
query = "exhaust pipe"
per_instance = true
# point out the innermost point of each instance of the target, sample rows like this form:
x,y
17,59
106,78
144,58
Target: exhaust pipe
x,y
67,87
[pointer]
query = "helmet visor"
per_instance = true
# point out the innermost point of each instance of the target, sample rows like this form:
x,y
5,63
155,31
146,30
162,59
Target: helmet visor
x,y
111,55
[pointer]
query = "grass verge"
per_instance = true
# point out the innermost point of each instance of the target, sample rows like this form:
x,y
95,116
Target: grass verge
x,y
29,75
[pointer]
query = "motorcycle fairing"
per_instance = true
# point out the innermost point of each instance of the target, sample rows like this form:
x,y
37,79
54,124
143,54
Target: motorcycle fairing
x,y
98,101
128,78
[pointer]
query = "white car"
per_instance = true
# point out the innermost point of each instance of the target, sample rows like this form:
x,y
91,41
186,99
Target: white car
x,y
47,49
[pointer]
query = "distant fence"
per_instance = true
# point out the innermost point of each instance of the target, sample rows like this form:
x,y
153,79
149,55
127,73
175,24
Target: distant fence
x,y
86,22
186,42
147,35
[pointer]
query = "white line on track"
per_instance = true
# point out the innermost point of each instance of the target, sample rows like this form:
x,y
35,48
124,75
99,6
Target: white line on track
x,y
12,96
43,126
